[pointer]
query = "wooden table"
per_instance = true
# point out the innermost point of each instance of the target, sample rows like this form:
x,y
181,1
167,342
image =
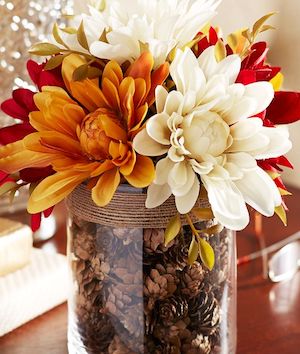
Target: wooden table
x,y
268,314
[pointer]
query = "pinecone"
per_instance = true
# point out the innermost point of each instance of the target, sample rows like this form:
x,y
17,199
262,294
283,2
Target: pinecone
x,y
192,280
172,334
128,235
178,254
204,313
154,241
160,284
84,244
107,245
172,310
135,252
199,345
118,347
127,315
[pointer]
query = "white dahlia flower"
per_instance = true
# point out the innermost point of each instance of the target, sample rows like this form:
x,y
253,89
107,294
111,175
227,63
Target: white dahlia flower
x,y
133,25
205,131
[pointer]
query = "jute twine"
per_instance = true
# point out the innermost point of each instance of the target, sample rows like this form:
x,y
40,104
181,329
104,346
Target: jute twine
x,y
126,210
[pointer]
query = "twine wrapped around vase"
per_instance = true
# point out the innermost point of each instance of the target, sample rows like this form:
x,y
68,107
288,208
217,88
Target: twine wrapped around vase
x,y
127,209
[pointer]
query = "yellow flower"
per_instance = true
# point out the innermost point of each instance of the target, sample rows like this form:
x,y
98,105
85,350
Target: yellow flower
x,y
88,132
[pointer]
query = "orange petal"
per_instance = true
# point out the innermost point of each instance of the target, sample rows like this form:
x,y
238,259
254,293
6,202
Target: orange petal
x,y
143,173
53,142
126,92
128,167
113,72
15,157
142,68
140,92
111,93
89,95
102,167
69,65
106,187
54,189
157,78
112,129
140,115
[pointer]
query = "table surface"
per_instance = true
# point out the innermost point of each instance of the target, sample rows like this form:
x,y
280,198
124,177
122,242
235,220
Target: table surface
x,y
268,314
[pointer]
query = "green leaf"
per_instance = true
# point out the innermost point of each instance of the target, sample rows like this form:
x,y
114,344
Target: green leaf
x,y
93,73
203,213
57,37
172,229
44,49
102,5
259,24
7,187
220,50
281,213
247,35
216,229
69,30
81,37
266,28
81,73
207,254
193,252
54,62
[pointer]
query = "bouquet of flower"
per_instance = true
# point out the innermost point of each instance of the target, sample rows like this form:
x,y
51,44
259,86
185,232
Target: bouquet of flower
x,y
150,94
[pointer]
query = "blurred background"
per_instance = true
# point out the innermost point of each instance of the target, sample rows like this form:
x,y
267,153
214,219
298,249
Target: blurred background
x,y
285,50
26,21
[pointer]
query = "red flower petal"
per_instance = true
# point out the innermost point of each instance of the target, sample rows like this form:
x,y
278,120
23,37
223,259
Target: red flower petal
x,y
50,78
36,221
48,212
285,108
13,109
246,77
34,70
14,133
24,98
31,175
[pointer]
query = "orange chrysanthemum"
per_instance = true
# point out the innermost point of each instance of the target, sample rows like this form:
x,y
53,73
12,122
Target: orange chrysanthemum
x,y
88,134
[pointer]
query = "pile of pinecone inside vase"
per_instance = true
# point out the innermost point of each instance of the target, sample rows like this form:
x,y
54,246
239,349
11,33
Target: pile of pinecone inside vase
x,y
136,295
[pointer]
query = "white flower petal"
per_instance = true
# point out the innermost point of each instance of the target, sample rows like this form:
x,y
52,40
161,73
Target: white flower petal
x,y
161,95
262,92
157,195
157,128
230,67
186,202
163,168
227,203
146,146
208,63
259,191
181,179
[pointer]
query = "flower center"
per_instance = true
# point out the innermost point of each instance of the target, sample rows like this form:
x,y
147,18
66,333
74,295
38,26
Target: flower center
x,y
206,134
93,138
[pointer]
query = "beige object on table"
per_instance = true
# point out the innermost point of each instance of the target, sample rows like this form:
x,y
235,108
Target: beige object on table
x,y
33,290
15,246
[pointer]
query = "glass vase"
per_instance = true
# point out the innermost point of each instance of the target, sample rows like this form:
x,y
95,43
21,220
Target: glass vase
x,y
130,293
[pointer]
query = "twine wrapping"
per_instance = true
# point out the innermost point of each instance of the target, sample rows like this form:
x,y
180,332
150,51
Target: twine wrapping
x,y
126,210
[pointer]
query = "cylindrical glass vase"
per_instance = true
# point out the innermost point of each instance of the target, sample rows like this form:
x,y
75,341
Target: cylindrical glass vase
x,y
131,294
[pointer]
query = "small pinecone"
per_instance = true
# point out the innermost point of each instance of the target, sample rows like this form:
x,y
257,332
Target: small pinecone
x,y
107,245
95,330
172,310
154,241
128,235
118,347
160,284
204,313
199,345
84,245
192,280
172,334
178,254
135,252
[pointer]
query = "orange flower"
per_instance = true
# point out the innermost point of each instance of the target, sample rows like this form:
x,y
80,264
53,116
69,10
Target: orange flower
x,y
88,134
